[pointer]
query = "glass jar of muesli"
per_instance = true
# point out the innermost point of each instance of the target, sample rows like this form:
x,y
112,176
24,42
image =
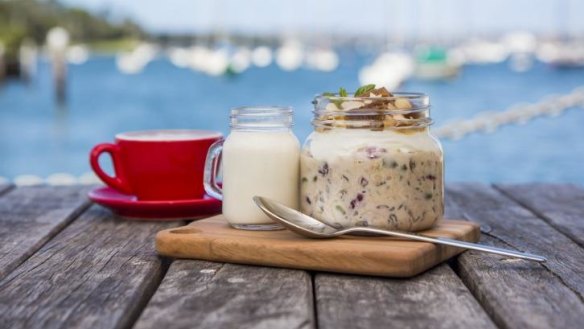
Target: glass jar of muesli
x,y
371,161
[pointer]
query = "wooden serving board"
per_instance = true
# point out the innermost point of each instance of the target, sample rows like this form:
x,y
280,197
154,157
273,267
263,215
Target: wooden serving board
x,y
214,240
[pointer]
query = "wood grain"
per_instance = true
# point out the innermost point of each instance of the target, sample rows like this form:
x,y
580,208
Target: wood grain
x,y
561,205
213,240
518,293
30,216
435,299
98,272
199,294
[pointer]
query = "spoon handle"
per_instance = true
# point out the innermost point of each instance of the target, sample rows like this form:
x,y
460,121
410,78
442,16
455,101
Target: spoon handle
x,y
450,242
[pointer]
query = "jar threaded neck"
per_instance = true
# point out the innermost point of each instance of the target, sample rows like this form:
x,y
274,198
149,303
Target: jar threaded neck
x,y
261,118
397,112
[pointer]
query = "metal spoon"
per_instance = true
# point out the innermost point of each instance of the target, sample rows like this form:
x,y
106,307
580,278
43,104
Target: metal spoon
x,y
309,227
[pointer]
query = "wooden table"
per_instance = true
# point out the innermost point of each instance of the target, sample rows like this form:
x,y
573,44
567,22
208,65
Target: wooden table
x,y
66,263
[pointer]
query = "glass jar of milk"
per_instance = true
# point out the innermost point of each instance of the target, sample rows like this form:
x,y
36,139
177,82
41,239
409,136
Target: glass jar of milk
x,y
261,156
372,161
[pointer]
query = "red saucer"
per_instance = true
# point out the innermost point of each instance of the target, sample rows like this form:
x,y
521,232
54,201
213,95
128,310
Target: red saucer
x,y
128,206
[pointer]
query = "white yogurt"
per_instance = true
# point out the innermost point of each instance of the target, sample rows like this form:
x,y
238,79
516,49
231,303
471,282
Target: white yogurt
x,y
264,163
344,142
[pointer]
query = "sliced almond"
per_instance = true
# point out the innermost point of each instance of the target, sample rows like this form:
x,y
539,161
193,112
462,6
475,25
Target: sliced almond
x,y
351,105
403,104
331,107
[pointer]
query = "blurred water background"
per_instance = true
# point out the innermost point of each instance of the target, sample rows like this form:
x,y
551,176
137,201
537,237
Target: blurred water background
x,y
39,136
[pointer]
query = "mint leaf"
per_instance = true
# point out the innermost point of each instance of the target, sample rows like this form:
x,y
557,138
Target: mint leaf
x,y
343,92
364,89
328,94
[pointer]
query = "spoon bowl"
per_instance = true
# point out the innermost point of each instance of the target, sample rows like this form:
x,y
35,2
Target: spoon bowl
x,y
307,226
294,220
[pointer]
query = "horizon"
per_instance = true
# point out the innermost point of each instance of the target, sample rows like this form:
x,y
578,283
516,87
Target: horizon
x,y
453,18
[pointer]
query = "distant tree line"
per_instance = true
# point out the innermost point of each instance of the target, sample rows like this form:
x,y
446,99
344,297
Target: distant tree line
x,y
31,19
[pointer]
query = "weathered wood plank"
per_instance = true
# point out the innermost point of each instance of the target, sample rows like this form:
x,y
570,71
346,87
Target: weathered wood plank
x,y
98,272
518,293
30,216
435,299
212,295
561,205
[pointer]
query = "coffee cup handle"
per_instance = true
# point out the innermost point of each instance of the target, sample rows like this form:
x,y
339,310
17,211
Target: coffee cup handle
x,y
117,182
212,164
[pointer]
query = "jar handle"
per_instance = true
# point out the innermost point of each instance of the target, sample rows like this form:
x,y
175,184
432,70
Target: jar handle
x,y
212,164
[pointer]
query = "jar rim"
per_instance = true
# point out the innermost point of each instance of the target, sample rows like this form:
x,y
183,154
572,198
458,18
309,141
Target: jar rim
x,y
261,110
269,117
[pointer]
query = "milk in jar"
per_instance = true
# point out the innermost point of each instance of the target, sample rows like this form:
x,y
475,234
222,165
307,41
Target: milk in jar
x,y
259,157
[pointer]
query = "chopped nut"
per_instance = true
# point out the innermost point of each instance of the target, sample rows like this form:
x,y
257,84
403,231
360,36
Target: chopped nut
x,y
351,105
399,117
389,122
383,92
403,104
401,120
331,107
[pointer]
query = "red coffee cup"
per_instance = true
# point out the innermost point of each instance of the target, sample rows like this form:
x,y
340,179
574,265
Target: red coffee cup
x,y
157,164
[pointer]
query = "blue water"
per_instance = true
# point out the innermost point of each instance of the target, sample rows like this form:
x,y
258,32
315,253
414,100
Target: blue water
x,y
38,137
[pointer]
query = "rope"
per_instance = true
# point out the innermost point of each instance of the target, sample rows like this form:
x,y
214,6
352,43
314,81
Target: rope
x,y
490,122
